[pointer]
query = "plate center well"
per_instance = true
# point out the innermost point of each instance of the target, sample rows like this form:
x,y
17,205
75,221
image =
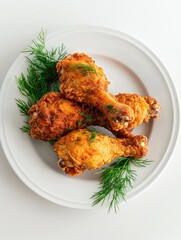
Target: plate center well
x,y
122,78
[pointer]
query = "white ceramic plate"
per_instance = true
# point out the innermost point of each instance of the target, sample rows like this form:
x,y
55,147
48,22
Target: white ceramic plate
x,y
130,67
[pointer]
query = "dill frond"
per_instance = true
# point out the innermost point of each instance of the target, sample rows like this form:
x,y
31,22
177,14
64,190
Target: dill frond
x,y
52,142
84,68
93,135
23,106
88,117
41,76
25,128
115,180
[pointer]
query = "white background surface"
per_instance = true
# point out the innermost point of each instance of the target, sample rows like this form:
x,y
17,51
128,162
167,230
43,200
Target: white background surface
x,y
155,213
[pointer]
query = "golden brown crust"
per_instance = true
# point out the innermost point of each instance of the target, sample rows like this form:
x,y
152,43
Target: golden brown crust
x,y
154,108
71,115
53,116
138,104
77,153
91,86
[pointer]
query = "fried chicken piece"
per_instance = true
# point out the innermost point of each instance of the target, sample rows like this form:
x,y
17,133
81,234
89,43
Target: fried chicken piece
x,y
82,149
53,115
154,108
144,108
83,81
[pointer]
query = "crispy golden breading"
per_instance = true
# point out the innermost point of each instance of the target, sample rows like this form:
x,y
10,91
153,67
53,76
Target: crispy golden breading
x,y
53,115
154,108
77,152
83,81
144,108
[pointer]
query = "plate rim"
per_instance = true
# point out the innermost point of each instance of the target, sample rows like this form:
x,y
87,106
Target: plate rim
x,y
174,134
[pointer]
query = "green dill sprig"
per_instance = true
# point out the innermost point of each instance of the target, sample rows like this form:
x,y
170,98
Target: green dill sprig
x,y
85,68
26,127
88,117
115,180
53,141
110,108
43,60
93,135
23,106
41,76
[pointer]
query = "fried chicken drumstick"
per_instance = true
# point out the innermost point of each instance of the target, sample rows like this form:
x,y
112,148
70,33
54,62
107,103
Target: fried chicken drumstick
x,y
144,108
53,115
82,149
83,81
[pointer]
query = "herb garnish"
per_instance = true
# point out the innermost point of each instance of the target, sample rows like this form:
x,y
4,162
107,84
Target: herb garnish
x,y
23,106
110,108
41,74
88,117
69,128
78,139
115,180
85,68
80,123
93,135
53,141
26,127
